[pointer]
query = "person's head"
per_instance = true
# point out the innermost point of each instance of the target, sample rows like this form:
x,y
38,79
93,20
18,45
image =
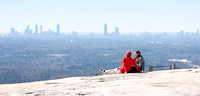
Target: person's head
x,y
128,54
137,53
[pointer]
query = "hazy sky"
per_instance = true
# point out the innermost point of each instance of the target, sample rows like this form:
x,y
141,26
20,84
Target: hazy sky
x,y
91,15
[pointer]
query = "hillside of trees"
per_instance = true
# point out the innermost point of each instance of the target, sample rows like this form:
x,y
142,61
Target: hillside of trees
x,y
24,59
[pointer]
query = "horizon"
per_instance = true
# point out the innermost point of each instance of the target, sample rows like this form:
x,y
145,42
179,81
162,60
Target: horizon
x,y
131,16
81,32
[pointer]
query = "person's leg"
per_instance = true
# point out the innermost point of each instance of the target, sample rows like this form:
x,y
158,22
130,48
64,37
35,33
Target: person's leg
x,y
133,70
111,71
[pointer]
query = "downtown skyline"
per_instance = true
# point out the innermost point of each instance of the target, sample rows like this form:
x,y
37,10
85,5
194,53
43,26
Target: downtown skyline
x,y
31,32
90,15
39,30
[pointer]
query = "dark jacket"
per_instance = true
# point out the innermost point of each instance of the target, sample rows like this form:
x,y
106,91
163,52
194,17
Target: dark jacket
x,y
141,63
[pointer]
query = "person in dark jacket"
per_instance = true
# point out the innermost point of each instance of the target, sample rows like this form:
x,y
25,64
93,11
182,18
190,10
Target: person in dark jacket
x,y
139,61
127,63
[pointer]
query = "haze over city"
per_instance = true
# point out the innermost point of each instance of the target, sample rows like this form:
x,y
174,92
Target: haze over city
x,y
53,39
91,15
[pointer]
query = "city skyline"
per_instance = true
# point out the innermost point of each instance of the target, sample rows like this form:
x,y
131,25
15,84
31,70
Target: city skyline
x,y
89,15
35,31
29,31
57,30
105,33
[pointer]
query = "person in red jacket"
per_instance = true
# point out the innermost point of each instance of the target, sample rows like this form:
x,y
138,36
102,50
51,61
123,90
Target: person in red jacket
x,y
127,63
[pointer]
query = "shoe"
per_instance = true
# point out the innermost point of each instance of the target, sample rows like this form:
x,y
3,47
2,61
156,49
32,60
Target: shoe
x,y
101,70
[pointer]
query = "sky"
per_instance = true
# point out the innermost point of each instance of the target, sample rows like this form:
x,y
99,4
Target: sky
x,y
91,15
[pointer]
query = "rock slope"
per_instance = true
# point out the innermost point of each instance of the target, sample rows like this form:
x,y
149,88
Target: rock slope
x,y
183,82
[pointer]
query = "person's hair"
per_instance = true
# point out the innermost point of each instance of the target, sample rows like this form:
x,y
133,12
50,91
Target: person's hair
x,y
128,56
138,52
138,57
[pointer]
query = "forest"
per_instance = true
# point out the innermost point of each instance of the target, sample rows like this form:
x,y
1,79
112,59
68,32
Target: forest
x,y
27,59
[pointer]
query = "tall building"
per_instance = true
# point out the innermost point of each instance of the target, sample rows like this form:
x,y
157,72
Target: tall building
x,y
12,30
27,27
105,30
40,28
116,31
28,31
36,29
58,29
197,31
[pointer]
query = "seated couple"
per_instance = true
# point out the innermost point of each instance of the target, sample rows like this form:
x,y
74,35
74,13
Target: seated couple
x,y
129,65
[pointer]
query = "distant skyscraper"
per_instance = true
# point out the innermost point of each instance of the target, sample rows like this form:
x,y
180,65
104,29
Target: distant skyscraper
x,y
12,30
40,28
36,29
58,29
28,31
27,27
105,30
197,31
116,31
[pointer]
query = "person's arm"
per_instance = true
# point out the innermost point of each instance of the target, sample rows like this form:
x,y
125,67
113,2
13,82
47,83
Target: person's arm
x,y
142,63
135,65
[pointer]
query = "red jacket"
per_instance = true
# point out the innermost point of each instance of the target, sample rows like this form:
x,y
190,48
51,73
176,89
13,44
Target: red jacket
x,y
127,63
